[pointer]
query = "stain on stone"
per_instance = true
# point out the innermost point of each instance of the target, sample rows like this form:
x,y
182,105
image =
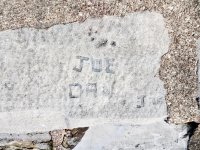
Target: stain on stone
x,y
89,33
1,12
198,102
137,145
9,86
123,102
113,43
101,43
92,39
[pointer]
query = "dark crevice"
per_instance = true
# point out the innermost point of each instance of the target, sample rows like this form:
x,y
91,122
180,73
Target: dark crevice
x,y
192,128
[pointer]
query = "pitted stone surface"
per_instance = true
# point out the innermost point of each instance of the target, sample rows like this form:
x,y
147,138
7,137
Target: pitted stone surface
x,y
153,136
105,72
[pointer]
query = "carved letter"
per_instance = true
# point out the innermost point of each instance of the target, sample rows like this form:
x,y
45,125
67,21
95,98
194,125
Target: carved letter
x,y
75,85
96,65
141,101
81,63
91,87
109,62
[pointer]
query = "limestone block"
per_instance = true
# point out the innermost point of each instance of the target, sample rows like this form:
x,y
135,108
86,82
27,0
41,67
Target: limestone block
x,y
82,74
154,136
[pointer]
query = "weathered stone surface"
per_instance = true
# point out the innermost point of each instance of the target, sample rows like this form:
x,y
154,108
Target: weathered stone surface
x,y
194,143
67,138
105,72
157,135
178,66
36,141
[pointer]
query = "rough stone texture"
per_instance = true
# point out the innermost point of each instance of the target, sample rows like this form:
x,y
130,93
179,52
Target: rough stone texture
x,y
65,139
37,141
68,138
194,143
178,66
107,72
154,136
103,137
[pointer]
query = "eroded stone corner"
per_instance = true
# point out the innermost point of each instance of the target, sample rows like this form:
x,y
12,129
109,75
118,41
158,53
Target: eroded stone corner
x,y
67,138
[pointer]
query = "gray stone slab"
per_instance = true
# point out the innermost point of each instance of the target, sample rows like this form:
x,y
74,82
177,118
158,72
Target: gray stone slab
x,y
82,74
154,136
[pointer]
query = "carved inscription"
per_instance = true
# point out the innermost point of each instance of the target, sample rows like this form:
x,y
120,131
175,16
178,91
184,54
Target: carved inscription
x,y
81,63
75,87
76,90
96,64
110,77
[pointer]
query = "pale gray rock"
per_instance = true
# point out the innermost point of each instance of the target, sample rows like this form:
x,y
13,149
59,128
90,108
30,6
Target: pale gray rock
x,y
83,74
154,136
36,137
